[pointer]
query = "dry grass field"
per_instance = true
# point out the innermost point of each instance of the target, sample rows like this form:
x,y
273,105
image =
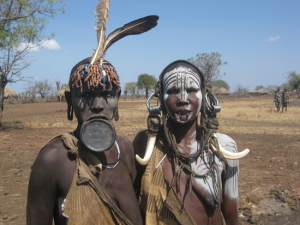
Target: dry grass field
x,y
269,176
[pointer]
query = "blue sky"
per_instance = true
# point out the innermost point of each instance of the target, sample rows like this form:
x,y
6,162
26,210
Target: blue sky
x,y
258,38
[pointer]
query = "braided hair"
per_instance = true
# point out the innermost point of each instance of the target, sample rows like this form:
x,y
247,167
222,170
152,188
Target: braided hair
x,y
94,75
207,127
208,123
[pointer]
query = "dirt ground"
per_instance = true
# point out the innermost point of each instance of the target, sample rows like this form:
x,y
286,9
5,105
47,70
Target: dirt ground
x,y
269,181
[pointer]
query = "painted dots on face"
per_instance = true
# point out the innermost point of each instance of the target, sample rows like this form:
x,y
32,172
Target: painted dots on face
x,y
179,81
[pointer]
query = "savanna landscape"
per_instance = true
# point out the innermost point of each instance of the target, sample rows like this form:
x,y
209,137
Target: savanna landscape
x,y
269,181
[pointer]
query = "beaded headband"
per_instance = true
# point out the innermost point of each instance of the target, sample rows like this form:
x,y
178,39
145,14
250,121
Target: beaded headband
x,y
94,75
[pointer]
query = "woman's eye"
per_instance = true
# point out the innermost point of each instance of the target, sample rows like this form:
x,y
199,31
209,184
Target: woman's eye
x,y
190,90
172,91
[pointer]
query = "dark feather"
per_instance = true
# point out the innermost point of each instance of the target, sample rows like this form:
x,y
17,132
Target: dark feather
x,y
135,27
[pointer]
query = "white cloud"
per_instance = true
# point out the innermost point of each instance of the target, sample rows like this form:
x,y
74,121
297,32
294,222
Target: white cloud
x,y
45,44
30,46
50,44
272,38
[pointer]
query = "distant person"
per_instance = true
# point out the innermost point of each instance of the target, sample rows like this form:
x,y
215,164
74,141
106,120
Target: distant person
x,y
86,176
277,99
285,99
189,174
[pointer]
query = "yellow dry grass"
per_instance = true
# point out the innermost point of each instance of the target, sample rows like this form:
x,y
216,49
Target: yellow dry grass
x,y
272,137
258,116
251,115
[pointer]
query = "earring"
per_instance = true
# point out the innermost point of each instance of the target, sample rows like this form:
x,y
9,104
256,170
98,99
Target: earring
x,y
116,114
199,118
70,112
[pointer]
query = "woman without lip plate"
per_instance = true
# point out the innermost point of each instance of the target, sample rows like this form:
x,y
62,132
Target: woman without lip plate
x,y
186,180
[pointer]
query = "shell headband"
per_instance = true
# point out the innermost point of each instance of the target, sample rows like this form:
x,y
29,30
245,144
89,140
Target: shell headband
x,y
97,72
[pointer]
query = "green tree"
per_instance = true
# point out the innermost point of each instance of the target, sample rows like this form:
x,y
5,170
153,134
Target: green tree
x,y
146,82
22,23
271,88
43,88
294,82
58,86
259,87
241,91
30,92
219,84
209,64
131,88
125,94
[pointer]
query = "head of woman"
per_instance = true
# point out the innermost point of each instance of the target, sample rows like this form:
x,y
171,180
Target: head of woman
x,y
94,91
182,91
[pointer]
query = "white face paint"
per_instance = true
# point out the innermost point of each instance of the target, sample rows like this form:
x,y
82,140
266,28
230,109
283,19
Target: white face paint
x,y
184,84
209,183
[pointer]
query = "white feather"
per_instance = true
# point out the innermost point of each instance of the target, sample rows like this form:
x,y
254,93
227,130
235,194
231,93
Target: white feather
x,y
102,17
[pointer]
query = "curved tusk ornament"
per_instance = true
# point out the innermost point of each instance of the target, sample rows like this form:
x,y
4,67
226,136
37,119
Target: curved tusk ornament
x,y
233,155
149,149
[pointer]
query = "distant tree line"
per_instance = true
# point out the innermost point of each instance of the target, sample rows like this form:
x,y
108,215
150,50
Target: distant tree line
x,y
208,63
22,25
292,84
41,89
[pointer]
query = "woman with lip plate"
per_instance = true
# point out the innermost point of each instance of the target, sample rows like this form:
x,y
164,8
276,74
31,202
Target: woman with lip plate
x,y
86,176
80,180
189,171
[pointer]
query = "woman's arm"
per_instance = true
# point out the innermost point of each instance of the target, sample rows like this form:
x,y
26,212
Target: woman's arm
x,y
42,188
230,183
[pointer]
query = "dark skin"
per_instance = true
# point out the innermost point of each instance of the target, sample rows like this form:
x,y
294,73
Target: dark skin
x,y
196,206
53,169
182,107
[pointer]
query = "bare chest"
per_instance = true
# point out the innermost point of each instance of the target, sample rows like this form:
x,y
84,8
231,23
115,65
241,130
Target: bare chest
x,y
197,198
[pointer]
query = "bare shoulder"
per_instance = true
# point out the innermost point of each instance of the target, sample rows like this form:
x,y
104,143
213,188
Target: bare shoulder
x,y
49,181
125,144
53,154
140,142
127,153
53,163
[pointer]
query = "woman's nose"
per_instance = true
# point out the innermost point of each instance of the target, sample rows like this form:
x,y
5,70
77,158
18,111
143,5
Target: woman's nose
x,y
98,104
182,99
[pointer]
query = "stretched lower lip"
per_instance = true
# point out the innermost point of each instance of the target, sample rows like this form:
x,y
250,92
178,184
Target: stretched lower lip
x,y
182,116
97,117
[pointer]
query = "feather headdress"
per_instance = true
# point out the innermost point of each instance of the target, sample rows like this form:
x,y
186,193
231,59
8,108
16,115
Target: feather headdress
x,y
99,73
102,17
